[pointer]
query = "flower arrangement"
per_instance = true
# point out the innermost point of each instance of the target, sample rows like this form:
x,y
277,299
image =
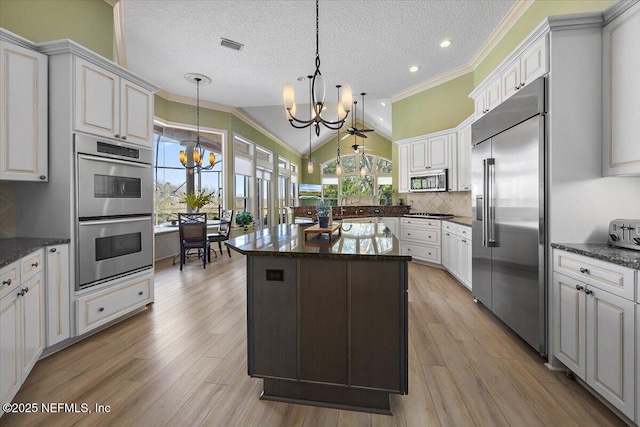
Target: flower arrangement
x,y
245,219
323,208
196,201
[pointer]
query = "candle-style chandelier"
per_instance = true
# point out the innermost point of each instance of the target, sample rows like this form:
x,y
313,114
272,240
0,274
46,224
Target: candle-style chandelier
x,y
316,98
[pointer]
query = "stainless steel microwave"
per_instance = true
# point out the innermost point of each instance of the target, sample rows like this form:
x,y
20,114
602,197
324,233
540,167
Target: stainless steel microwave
x,y
434,180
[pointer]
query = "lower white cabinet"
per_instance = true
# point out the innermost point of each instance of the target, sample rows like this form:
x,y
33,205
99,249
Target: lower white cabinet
x,y
98,308
595,337
421,238
392,224
22,326
58,294
456,251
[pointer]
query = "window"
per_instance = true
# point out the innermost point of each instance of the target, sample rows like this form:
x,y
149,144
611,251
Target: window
x,y
350,183
242,193
171,179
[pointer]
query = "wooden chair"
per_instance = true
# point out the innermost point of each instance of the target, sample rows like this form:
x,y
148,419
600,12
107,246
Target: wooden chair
x,y
193,235
223,231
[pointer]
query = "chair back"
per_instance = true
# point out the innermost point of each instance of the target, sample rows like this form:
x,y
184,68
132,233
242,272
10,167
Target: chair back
x,y
192,227
225,227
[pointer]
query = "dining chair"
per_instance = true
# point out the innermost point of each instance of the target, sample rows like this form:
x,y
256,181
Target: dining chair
x,y
193,235
223,232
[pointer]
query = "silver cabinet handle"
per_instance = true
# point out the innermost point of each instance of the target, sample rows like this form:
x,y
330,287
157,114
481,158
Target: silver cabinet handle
x,y
52,250
584,270
6,282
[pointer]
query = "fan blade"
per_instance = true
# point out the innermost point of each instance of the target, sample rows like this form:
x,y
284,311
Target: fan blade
x,y
361,135
347,135
366,130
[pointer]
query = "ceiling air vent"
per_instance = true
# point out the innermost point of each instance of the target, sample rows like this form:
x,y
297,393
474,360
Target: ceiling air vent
x,y
231,44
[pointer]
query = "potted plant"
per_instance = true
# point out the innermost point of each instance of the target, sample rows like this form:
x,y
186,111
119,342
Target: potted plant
x,y
245,219
196,201
387,195
323,209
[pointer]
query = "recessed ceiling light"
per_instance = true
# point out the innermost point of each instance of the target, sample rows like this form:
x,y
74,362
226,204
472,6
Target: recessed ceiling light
x,y
380,118
383,104
445,43
414,68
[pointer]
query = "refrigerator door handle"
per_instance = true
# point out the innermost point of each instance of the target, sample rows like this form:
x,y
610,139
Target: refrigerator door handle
x,y
490,178
483,208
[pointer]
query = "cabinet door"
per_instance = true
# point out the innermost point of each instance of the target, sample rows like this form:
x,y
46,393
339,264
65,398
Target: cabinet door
x,y
621,63
446,244
452,162
464,159
32,322
419,155
23,97
569,317
462,249
469,257
610,348
533,62
391,223
494,93
403,168
437,155
58,292
481,104
510,79
10,374
97,100
136,113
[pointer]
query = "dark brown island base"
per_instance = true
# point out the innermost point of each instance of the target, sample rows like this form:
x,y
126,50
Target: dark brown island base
x,y
327,319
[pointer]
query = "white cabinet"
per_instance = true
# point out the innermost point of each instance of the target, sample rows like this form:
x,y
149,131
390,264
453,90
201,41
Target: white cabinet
x,y
58,294
421,238
594,331
524,66
392,224
456,251
403,168
22,322
464,157
111,106
621,62
430,153
23,103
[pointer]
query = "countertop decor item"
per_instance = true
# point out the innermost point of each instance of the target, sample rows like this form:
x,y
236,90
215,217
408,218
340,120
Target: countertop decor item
x,y
324,211
316,97
245,219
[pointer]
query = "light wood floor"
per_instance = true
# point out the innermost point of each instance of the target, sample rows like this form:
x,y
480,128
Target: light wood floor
x,y
183,362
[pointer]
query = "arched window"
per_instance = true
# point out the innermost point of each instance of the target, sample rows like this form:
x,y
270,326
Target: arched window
x,y
351,184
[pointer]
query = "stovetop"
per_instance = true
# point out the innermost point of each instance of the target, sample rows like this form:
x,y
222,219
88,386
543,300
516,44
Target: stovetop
x,y
429,215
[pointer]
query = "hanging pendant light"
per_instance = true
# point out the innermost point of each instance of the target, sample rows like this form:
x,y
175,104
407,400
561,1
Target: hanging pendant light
x,y
310,162
198,150
338,160
316,98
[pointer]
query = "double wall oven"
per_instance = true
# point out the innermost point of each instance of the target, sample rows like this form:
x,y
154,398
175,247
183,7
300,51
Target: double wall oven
x,y
114,205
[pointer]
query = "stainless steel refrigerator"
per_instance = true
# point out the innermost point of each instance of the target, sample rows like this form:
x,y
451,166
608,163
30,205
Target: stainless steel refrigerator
x,y
508,206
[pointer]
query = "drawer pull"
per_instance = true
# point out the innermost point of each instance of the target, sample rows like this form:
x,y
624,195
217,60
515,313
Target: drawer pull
x,y
34,264
6,282
140,293
52,250
589,292
101,309
117,135
464,241
578,287
584,270
23,291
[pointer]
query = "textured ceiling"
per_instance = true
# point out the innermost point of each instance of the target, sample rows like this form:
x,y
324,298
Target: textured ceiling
x,y
369,44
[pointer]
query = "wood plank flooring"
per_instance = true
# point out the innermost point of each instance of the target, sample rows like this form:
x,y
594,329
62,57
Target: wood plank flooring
x,y
182,362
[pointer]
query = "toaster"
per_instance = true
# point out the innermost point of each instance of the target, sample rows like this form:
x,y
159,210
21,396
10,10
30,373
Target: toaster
x,y
625,233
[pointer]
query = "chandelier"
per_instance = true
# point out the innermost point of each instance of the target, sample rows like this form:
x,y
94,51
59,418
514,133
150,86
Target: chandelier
x,y
198,150
316,98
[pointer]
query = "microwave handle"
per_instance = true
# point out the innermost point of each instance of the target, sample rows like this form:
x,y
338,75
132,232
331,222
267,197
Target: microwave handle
x,y
115,220
108,160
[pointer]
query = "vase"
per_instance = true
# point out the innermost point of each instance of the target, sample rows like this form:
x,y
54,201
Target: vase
x,y
323,221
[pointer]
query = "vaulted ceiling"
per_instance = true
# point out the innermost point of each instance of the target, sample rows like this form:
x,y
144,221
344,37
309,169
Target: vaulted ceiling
x,y
368,44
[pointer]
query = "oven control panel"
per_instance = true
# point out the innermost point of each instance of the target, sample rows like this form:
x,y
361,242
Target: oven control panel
x,y
625,233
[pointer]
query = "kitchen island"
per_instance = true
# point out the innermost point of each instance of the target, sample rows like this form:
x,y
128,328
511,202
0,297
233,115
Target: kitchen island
x,y
327,317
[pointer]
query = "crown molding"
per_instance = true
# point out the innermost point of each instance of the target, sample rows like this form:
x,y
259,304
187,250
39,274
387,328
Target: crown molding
x,y
616,9
112,3
9,37
510,19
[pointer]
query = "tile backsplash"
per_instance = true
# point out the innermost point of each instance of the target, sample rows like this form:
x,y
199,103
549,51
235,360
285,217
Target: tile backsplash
x,y
457,203
7,210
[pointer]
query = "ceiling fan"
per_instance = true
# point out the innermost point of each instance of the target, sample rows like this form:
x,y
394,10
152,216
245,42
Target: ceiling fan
x,y
353,130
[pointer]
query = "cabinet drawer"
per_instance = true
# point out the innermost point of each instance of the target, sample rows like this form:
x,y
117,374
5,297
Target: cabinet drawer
x,y
463,231
448,226
97,309
421,252
9,278
31,264
610,277
421,235
422,223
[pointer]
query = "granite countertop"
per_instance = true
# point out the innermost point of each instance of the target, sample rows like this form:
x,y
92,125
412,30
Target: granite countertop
x,y
359,241
626,257
462,220
14,248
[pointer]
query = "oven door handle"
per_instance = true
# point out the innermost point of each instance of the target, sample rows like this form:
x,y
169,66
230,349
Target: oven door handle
x,y
115,221
108,160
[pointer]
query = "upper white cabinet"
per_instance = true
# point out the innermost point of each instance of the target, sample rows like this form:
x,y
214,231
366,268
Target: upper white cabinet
x,y
403,168
23,98
111,106
464,156
524,65
621,63
430,153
